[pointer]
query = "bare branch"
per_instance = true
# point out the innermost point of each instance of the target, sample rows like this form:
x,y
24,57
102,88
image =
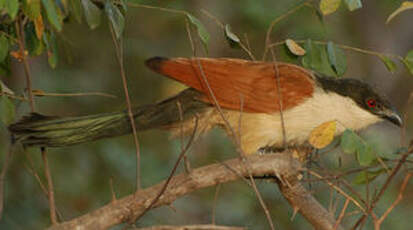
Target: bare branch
x,y
50,194
300,199
182,184
119,57
395,203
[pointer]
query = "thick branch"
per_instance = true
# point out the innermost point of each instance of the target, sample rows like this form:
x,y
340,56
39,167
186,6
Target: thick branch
x,y
133,205
302,201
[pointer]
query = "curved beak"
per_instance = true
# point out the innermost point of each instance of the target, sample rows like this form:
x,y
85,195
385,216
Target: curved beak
x,y
393,116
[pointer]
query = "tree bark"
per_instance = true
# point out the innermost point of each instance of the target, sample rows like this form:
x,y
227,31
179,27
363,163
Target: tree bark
x,y
132,206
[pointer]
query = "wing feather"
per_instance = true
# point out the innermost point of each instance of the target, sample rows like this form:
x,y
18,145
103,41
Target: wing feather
x,y
235,81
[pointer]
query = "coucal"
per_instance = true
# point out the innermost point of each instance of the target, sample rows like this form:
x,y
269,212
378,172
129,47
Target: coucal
x,y
251,95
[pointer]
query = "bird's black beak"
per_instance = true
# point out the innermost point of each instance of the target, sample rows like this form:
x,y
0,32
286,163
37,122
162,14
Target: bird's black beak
x,y
393,116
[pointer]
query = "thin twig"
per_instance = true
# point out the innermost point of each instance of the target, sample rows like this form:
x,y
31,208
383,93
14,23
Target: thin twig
x,y
220,24
214,204
384,187
41,94
165,186
157,8
342,213
50,194
280,97
339,190
37,177
181,118
396,202
13,96
119,55
52,206
238,144
112,190
19,32
207,176
42,186
277,20
346,47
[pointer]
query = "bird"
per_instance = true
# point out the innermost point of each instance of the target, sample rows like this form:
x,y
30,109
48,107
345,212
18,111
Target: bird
x,y
260,104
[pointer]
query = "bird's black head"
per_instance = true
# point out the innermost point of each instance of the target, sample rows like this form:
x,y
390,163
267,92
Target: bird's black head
x,y
364,95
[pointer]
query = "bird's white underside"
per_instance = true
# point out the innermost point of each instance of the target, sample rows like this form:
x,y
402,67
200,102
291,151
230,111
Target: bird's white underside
x,y
260,130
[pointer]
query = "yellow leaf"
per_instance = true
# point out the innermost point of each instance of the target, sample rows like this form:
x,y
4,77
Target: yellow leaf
x,y
18,55
39,26
404,6
329,6
323,135
38,92
294,47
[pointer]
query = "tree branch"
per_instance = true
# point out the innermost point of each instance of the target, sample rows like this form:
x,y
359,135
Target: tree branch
x,y
280,164
302,201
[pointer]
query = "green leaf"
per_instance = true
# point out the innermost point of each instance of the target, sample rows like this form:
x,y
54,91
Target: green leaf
x,y
233,39
337,58
285,54
368,176
7,112
202,32
124,5
76,7
365,155
33,45
12,7
349,141
92,14
4,47
51,44
329,6
116,18
5,89
406,5
294,48
316,58
408,61
52,15
31,8
353,4
390,65
5,67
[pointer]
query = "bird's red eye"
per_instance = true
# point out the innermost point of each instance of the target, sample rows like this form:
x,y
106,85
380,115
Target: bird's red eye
x,y
371,103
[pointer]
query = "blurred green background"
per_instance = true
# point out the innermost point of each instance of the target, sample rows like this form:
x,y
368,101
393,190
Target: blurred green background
x,y
87,63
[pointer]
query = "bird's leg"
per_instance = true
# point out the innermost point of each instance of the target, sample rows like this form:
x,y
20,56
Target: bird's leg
x,y
271,149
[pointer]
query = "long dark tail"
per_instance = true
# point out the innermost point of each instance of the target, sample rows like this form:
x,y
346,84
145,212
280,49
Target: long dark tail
x,y
45,131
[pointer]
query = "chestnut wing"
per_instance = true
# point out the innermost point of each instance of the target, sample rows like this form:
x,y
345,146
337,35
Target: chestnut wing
x,y
236,82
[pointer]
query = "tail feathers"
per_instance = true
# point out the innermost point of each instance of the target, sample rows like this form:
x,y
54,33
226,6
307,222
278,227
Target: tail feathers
x,y
39,130
45,131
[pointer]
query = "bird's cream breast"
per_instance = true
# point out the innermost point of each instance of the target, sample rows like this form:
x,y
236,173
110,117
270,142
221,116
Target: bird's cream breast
x,y
260,130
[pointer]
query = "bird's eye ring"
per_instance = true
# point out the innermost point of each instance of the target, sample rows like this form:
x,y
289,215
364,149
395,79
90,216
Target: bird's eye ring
x,y
371,103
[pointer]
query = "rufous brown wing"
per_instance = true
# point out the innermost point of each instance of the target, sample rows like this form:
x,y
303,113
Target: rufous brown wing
x,y
236,82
